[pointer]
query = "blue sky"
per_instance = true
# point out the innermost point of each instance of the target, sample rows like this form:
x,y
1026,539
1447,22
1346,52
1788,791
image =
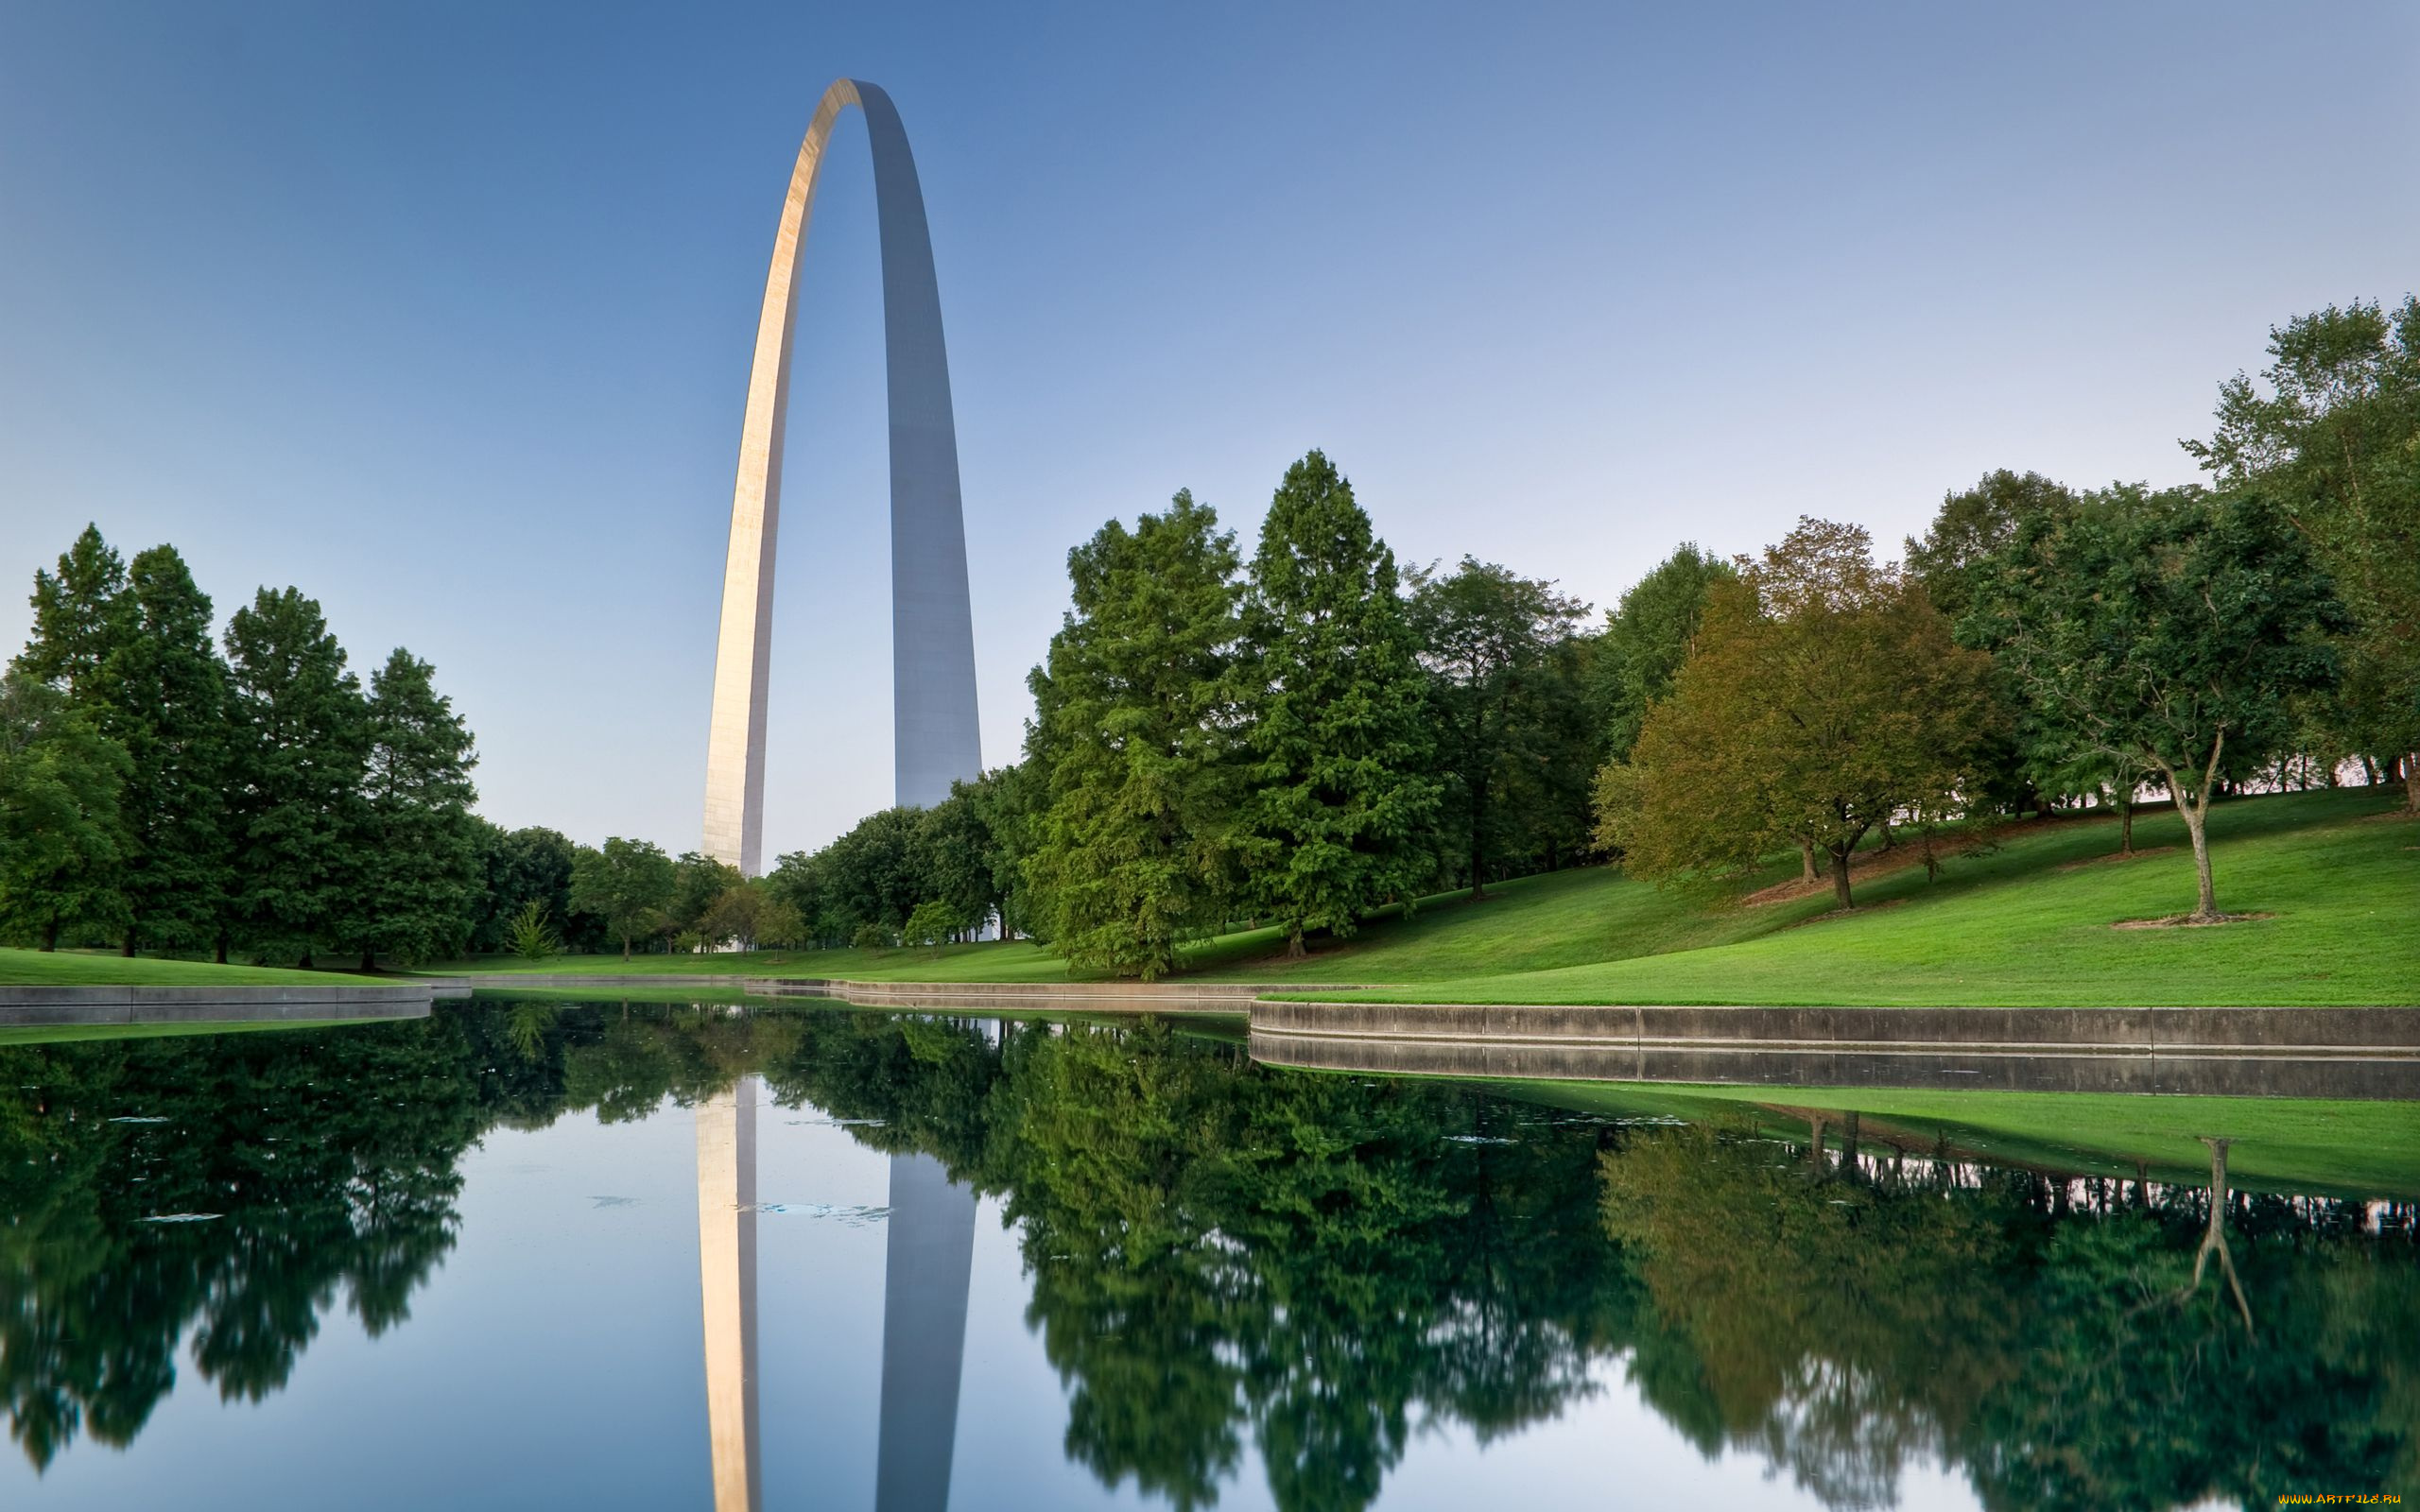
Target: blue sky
x,y
442,312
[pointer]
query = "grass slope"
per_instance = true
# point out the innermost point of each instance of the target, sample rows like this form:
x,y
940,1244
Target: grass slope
x,y
2334,1149
99,969
2028,922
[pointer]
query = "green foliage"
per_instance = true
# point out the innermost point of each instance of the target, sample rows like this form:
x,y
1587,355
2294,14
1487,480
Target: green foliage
x,y
521,868
162,695
1135,740
1498,693
1972,526
932,923
1336,734
1646,638
78,618
2332,439
300,746
529,935
2169,632
955,857
60,826
417,845
699,882
750,914
629,884
871,938
1824,698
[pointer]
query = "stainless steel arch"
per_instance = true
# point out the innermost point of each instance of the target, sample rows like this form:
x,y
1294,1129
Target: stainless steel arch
x,y
932,631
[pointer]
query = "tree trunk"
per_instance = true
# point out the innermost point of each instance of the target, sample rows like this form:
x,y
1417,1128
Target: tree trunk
x,y
2412,784
369,962
1887,840
1841,876
1807,861
626,947
2126,825
1294,950
127,950
50,936
221,956
305,964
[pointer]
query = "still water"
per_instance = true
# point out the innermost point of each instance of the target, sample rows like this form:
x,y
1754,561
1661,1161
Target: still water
x,y
527,1255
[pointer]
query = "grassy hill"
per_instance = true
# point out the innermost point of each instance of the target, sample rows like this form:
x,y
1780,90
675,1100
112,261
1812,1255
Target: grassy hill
x,y
2028,921
2336,876
109,968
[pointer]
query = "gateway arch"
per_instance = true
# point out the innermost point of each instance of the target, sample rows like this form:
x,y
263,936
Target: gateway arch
x,y
932,632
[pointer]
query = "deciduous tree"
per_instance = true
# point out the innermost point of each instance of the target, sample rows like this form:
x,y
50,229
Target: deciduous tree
x,y
629,884
1824,698
1646,638
2169,631
1487,635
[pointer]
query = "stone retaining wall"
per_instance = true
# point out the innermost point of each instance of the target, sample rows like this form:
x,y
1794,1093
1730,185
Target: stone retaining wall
x,y
62,1007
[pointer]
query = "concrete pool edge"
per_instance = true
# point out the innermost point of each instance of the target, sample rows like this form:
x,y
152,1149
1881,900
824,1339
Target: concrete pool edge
x,y
62,1007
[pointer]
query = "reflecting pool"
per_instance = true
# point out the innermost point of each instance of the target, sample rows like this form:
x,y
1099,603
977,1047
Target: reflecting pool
x,y
537,1254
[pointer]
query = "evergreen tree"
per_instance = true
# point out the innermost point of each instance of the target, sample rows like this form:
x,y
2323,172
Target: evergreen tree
x,y
60,826
1336,733
1134,738
163,695
417,847
78,618
298,744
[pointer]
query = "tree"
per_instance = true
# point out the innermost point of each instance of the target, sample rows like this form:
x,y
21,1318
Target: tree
x,y
299,745
78,618
749,915
521,868
699,882
417,845
1336,730
529,935
932,924
953,850
61,780
1971,526
1008,803
2171,630
2333,443
162,693
1134,737
1646,638
1825,698
629,884
1486,636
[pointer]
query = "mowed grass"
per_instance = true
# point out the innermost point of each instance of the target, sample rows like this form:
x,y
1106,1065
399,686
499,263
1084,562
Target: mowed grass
x,y
109,968
2028,924
2367,1149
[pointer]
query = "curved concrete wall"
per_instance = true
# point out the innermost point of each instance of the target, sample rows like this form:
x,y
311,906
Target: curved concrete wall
x,y
62,1007
932,633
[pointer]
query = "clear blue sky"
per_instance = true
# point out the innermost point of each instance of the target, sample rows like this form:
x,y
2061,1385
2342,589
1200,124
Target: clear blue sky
x,y
443,311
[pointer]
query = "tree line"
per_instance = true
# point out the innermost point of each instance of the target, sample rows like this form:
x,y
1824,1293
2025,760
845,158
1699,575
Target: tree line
x,y
1304,737
2043,644
162,790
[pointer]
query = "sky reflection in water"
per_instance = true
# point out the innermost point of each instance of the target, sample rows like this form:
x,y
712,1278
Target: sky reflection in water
x,y
541,1255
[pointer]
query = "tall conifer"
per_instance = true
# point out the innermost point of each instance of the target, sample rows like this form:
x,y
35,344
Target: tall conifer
x,y
78,618
163,693
1339,752
299,746
420,868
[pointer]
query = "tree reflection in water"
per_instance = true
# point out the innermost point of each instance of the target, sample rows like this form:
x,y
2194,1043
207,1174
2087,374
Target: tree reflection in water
x,y
1222,1256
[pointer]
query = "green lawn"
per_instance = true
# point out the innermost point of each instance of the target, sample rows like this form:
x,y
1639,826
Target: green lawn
x,y
2349,1149
2026,925
109,968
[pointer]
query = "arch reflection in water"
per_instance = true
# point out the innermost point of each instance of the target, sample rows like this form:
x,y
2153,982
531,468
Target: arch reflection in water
x,y
928,1261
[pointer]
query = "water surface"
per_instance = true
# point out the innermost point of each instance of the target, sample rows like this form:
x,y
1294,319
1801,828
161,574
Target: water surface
x,y
598,1256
